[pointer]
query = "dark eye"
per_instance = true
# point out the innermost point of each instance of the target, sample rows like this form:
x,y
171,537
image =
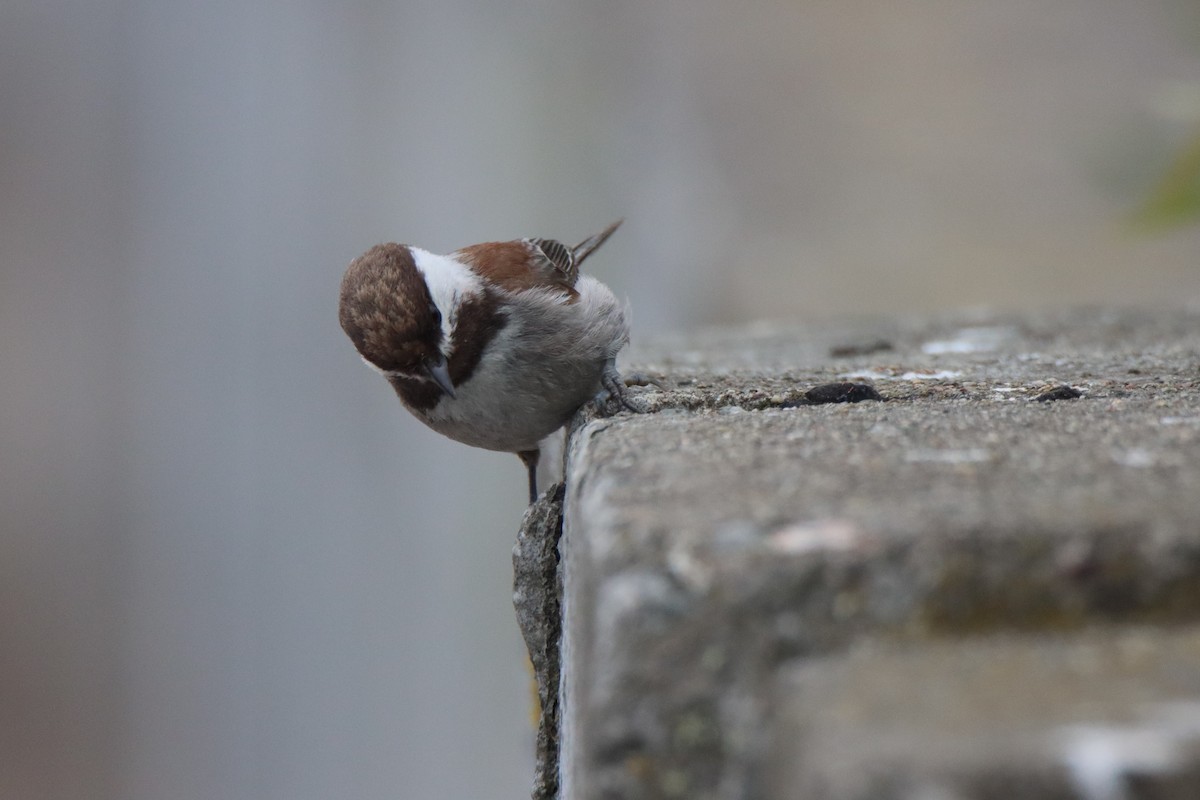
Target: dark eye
x,y
433,311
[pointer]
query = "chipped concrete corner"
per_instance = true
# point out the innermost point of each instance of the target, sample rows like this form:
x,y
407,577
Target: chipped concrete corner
x,y
986,585
537,599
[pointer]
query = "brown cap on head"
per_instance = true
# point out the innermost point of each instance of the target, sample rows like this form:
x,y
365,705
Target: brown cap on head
x,y
386,310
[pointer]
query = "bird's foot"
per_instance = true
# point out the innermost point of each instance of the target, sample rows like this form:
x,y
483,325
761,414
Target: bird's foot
x,y
613,393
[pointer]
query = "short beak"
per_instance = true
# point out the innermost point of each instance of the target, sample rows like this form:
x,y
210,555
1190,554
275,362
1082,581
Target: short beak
x,y
590,244
439,374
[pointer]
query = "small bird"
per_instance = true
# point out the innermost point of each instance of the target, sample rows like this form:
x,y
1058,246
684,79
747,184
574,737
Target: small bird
x,y
495,345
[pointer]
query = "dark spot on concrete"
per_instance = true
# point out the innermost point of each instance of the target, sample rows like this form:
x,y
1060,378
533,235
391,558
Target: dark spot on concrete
x,y
860,348
844,392
841,393
1058,393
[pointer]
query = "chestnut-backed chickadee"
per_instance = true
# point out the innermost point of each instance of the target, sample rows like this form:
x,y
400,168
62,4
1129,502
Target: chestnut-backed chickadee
x,y
495,345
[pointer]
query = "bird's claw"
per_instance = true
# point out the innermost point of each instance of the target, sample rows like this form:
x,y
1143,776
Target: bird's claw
x,y
614,386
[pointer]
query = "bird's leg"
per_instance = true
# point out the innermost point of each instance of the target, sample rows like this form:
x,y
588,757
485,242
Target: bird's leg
x,y
530,459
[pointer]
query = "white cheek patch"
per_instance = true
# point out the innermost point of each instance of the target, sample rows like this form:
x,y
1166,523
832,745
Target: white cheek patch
x,y
449,282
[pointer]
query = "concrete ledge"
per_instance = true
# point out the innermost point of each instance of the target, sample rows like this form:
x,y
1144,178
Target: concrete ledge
x,y
740,564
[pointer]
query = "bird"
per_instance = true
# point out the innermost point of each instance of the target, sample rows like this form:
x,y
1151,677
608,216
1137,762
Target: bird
x,y
495,345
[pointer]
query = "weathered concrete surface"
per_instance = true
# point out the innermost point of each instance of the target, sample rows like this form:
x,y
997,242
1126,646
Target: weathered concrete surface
x,y
726,553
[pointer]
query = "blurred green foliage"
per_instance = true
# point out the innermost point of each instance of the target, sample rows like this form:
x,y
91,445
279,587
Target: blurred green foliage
x,y
1175,200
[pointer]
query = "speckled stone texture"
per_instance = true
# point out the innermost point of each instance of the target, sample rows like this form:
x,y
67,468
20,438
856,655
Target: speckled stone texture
x,y
986,585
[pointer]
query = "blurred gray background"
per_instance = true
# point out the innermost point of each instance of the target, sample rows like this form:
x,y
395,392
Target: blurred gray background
x,y
230,565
